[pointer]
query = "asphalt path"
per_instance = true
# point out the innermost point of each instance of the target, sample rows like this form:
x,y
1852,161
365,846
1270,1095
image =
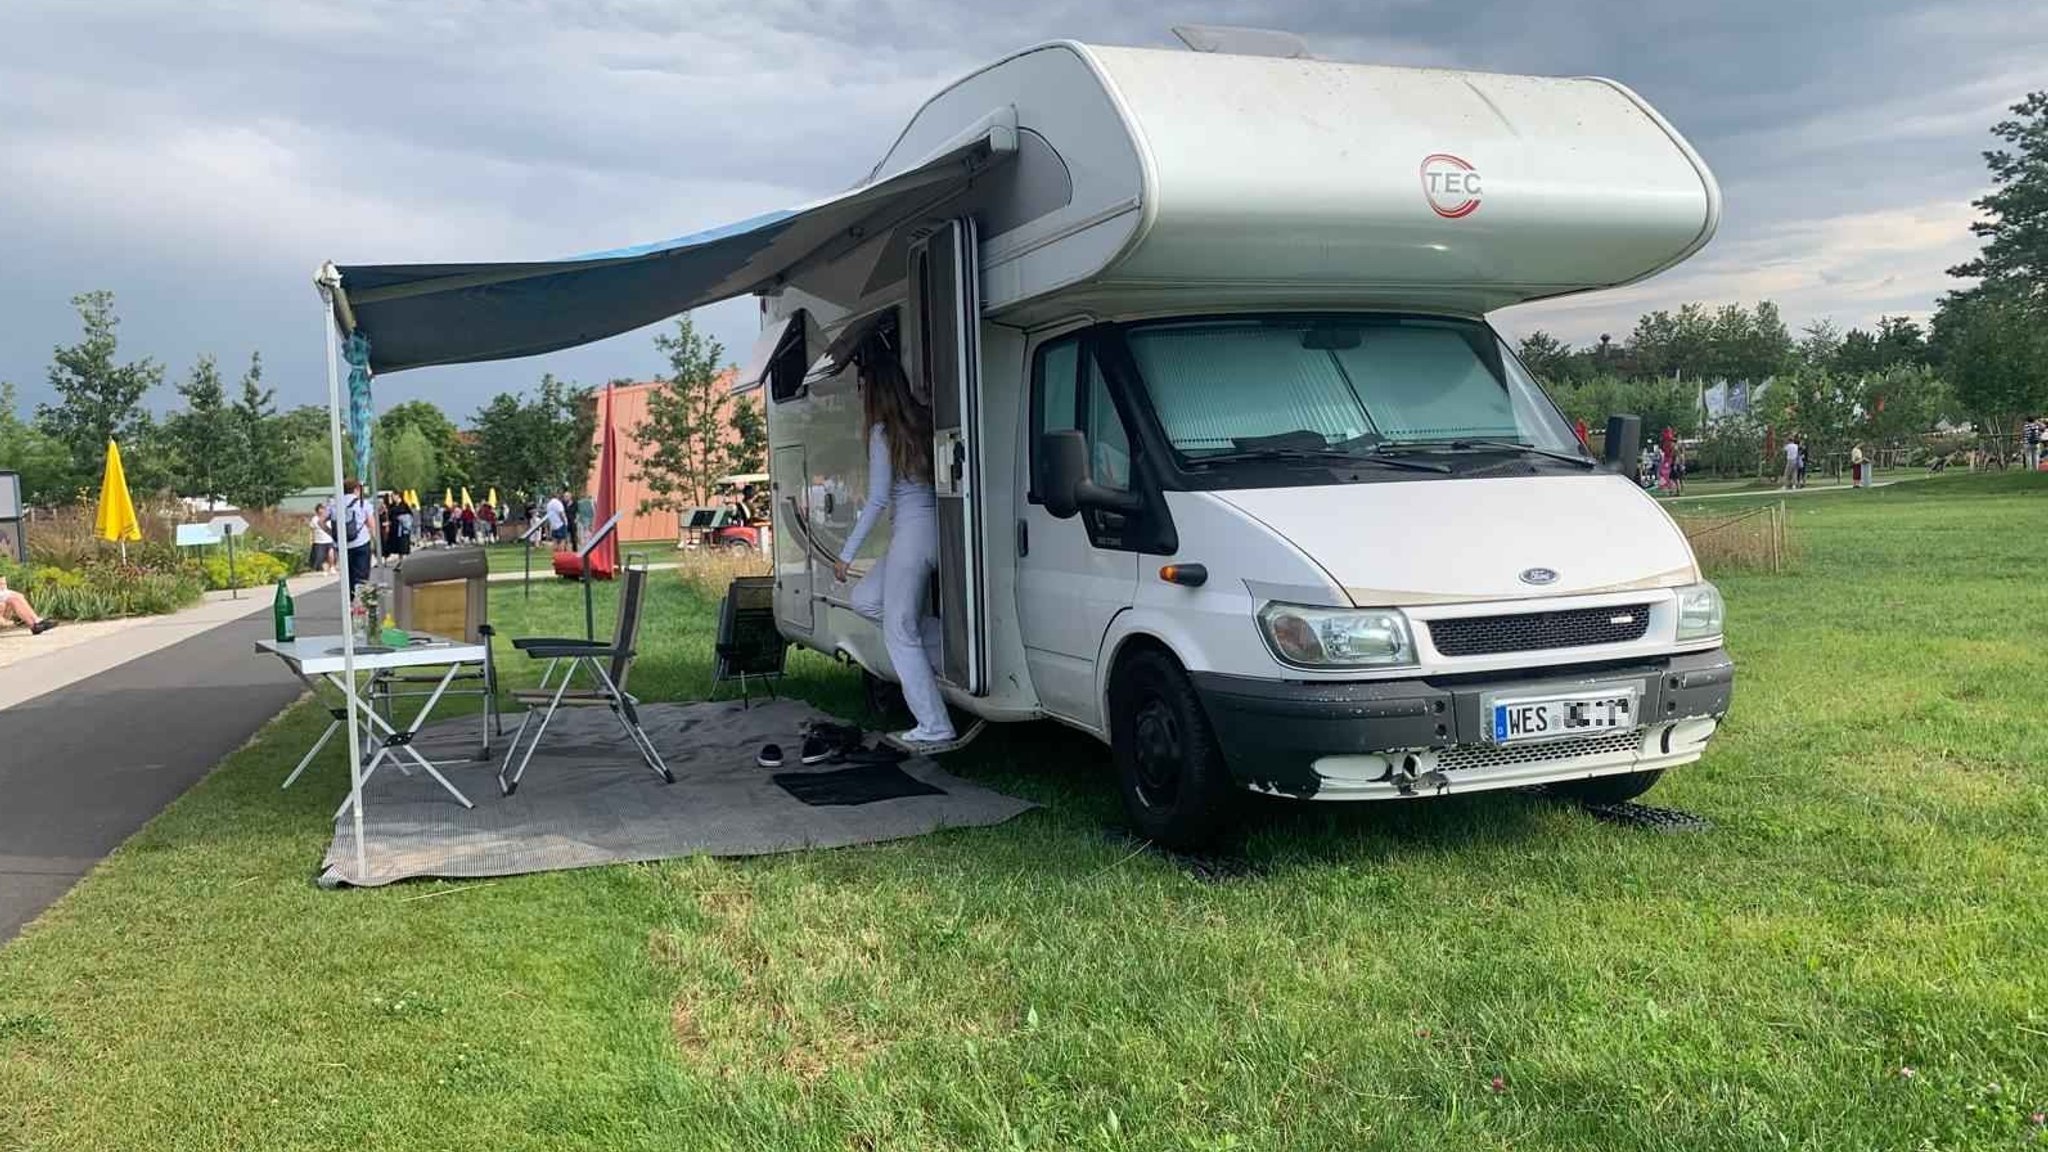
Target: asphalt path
x,y
85,766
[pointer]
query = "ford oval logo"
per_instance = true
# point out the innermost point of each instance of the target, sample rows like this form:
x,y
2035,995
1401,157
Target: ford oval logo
x,y
1539,576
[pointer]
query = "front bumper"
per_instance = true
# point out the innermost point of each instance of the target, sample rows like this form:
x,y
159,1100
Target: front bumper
x,y
1388,739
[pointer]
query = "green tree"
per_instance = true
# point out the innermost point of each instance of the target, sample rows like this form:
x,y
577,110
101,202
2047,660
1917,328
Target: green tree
x,y
1549,358
261,474
100,399
406,460
2014,260
681,442
535,446
1824,409
1995,355
1903,401
747,450
44,464
201,437
448,460
1662,403
1820,344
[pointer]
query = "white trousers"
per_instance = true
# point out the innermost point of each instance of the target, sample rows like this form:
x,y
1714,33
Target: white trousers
x,y
894,594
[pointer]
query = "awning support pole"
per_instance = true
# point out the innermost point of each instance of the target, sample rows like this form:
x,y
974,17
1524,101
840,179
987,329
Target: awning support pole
x,y
329,282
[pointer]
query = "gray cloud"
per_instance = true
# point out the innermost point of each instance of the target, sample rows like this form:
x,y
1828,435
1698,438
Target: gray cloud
x,y
200,158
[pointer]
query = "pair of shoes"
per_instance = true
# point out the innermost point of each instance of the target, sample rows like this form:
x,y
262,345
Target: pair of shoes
x,y
922,735
828,741
42,626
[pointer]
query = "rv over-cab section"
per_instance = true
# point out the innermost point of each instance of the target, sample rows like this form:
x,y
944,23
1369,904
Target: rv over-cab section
x,y
1138,177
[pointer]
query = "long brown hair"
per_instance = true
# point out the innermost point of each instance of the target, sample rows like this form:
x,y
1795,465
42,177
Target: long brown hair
x,y
885,398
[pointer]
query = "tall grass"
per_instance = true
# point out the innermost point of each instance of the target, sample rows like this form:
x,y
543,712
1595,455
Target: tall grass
x,y
1756,539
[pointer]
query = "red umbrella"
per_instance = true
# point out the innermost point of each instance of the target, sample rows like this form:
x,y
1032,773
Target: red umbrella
x,y
604,559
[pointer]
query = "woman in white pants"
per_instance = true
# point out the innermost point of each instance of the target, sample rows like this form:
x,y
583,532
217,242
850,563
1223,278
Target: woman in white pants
x,y
895,592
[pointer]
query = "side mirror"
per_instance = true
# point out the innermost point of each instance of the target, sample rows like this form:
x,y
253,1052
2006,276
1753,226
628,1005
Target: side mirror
x,y
1624,446
1062,469
1066,483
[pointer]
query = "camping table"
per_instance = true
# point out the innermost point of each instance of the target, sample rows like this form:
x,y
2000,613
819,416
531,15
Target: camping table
x,y
311,657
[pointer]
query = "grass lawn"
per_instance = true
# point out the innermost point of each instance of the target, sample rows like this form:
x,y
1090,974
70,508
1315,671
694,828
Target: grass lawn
x,y
1854,956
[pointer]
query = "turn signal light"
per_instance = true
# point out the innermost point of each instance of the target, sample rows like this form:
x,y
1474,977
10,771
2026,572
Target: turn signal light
x,y
1186,575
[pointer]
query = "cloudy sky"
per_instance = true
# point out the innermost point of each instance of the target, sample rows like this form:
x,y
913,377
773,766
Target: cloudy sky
x,y
200,157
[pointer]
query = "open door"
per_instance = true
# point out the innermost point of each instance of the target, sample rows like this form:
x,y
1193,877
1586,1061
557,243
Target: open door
x,y
945,359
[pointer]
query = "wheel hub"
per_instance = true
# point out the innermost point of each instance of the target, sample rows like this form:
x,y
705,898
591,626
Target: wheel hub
x,y
1158,746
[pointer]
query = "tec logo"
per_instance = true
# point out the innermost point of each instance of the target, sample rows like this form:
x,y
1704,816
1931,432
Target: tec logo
x,y
1450,184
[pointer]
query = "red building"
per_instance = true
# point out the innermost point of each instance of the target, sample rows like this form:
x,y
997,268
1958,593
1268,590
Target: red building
x,y
629,411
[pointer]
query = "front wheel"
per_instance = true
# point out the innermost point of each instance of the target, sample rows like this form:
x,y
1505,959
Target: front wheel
x,y
1619,788
1175,787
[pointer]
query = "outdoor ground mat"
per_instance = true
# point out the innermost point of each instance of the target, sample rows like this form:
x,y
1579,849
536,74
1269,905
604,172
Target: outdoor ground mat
x,y
587,799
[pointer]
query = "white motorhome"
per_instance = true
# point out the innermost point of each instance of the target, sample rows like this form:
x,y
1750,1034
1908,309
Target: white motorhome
x,y
1233,473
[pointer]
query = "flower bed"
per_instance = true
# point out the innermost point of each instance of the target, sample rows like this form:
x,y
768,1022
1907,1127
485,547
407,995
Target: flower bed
x,y
102,589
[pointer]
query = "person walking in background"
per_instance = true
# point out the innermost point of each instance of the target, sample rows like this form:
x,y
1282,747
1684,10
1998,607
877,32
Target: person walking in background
x,y
356,529
469,525
1792,457
558,519
1800,480
487,523
402,518
321,557
1859,470
894,593
2035,433
1678,469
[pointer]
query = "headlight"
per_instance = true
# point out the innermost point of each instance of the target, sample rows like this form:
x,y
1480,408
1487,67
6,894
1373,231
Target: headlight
x,y
1699,612
1336,637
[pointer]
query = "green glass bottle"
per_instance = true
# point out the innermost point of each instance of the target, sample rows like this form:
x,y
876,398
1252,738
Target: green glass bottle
x,y
283,612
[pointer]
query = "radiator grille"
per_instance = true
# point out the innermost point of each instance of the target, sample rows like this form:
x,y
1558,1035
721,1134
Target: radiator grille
x,y
1469,756
1532,631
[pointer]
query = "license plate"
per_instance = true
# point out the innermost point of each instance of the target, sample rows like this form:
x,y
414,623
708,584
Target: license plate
x,y
1593,713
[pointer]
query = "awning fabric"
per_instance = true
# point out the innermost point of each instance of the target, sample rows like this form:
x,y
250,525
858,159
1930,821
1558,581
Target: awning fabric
x,y
416,315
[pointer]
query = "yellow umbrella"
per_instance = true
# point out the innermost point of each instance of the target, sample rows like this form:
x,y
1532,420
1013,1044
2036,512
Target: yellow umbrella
x,y
116,520
447,498
492,499
466,502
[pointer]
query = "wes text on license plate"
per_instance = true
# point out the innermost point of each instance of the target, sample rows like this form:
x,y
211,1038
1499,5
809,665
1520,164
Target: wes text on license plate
x,y
1564,716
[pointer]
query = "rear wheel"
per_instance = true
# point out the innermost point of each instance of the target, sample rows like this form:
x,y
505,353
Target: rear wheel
x,y
1175,787
1617,789
884,699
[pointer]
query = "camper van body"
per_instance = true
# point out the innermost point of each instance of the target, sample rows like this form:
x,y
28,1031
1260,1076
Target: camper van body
x,y
1120,226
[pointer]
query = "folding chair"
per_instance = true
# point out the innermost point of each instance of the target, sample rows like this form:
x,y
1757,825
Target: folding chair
x,y
608,663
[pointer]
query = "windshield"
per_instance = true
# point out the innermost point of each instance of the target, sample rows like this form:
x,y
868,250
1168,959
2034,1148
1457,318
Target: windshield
x,y
1349,383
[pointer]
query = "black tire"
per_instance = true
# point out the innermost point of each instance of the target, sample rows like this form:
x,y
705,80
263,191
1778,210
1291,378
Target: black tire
x,y
1616,789
884,700
1175,787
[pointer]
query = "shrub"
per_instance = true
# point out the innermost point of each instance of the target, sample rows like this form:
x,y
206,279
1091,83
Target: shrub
x,y
251,569
102,589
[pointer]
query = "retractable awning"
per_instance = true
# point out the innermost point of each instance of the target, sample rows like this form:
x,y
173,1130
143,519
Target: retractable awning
x,y
417,315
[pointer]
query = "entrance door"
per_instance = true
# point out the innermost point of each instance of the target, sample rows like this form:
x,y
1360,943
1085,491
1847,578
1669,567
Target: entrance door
x,y
1073,575
946,294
